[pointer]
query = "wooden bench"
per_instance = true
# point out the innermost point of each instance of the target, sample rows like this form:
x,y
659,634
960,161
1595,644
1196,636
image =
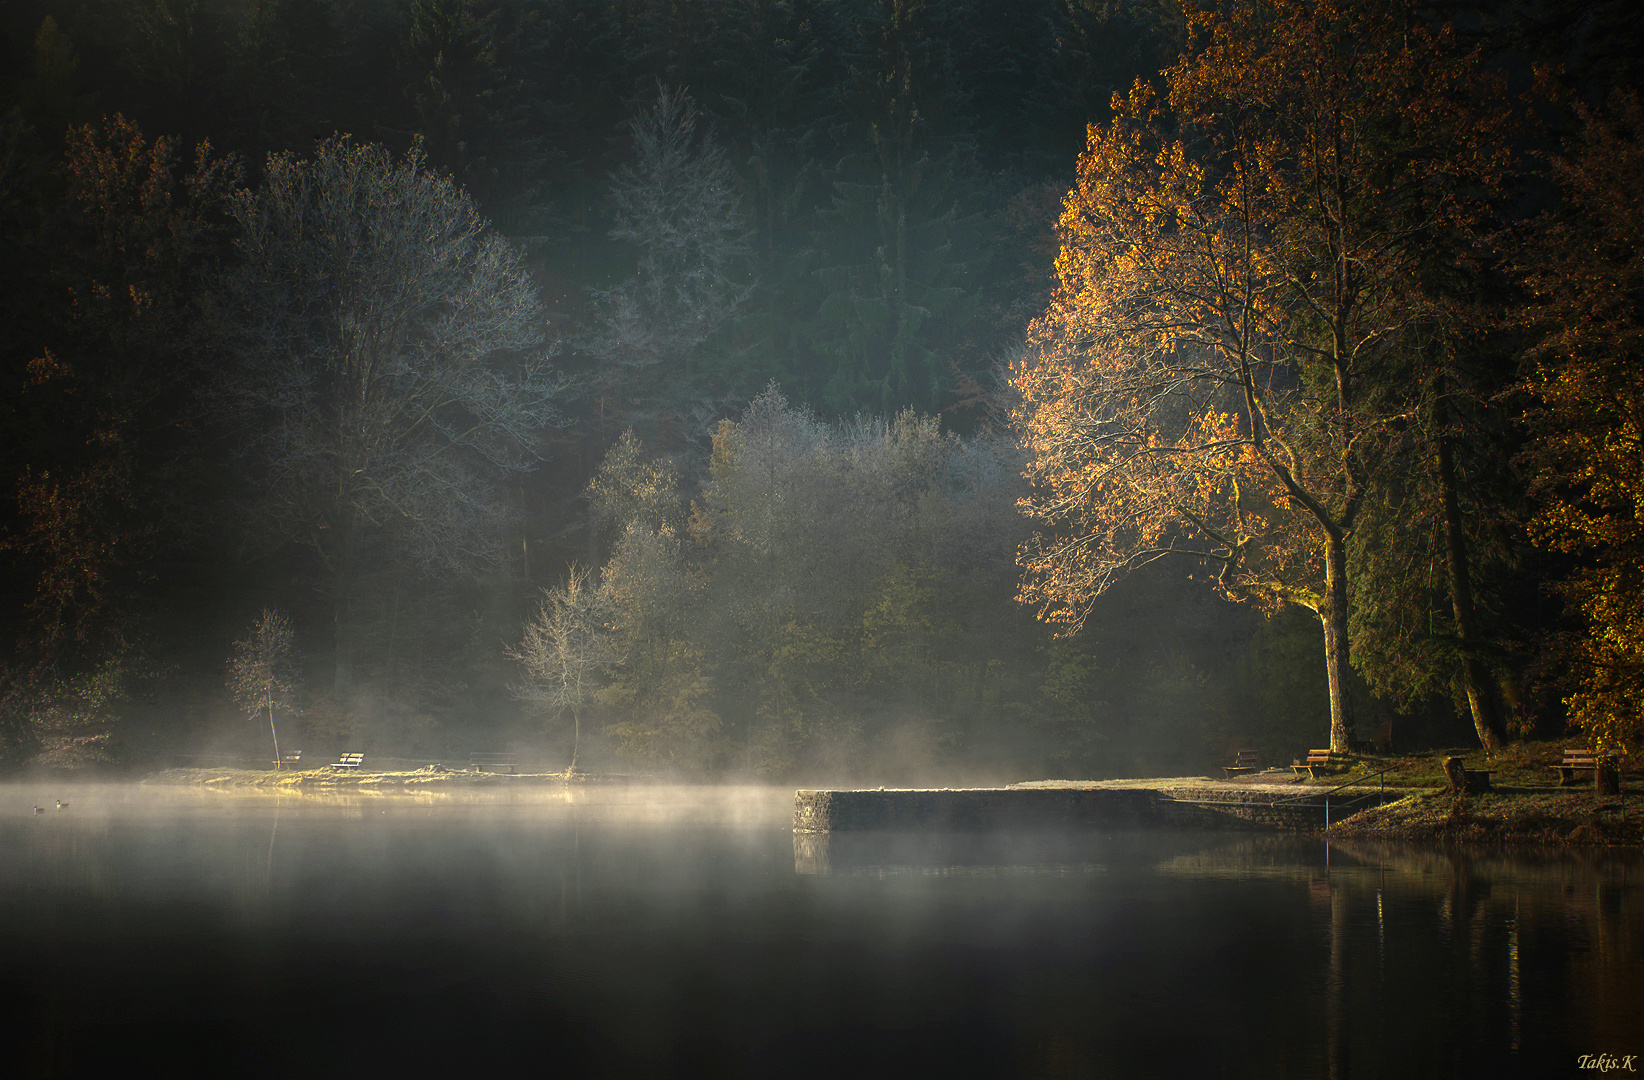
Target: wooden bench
x,y
1318,761
350,760
1578,765
491,762
1244,761
290,757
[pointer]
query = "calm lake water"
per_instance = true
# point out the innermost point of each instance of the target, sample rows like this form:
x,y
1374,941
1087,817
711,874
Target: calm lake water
x,y
686,932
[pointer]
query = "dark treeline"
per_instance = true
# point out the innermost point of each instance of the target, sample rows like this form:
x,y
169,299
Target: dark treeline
x,y
630,379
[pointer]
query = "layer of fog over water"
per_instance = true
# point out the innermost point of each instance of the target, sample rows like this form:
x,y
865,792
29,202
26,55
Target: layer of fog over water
x,y
641,931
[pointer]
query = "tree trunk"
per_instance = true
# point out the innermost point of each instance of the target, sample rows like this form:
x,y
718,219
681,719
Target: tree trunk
x,y
590,469
1486,719
524,532
279,762
342,643
393,635
1607,775
342,676
1334,618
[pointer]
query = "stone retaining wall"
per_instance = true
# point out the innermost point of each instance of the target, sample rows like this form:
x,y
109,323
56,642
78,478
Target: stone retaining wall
x,y
959,809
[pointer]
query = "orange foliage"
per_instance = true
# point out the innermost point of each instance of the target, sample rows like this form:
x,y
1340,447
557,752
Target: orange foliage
x,y
98,406
1219,369
1587,274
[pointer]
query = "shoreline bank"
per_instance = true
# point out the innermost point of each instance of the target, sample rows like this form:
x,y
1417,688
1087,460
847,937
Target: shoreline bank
x,y
432,776
1556,817
1510,816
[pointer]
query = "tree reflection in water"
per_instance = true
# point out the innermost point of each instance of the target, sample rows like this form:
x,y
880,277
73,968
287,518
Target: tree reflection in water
x,y
688,931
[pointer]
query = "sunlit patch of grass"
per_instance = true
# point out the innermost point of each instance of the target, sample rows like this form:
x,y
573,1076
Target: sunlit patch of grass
x,y
1517,765
1557,818
1526,806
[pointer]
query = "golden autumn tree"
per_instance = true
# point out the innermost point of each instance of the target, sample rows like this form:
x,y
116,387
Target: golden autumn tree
x,y
1586,272
1226,358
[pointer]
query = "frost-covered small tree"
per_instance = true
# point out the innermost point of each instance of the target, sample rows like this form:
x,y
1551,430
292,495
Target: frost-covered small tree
x,y
564,652
262,676
389,372
661,695
630,486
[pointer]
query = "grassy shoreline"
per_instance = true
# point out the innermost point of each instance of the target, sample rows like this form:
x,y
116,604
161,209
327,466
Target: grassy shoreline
x,y
1572,817
1527,807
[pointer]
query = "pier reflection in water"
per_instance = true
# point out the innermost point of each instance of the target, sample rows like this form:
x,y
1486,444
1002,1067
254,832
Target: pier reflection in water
x,y
1390,960
688,932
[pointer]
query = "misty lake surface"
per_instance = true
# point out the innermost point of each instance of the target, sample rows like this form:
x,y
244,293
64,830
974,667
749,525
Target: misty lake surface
x,y
642,931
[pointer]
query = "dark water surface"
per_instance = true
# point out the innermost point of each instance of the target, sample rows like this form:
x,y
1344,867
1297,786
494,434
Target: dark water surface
x,y
687,932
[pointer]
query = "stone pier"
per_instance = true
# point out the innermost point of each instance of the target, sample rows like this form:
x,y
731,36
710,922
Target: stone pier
x,y
1057,807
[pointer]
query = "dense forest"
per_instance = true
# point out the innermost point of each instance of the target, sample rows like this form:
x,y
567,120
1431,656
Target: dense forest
x,y
865,388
